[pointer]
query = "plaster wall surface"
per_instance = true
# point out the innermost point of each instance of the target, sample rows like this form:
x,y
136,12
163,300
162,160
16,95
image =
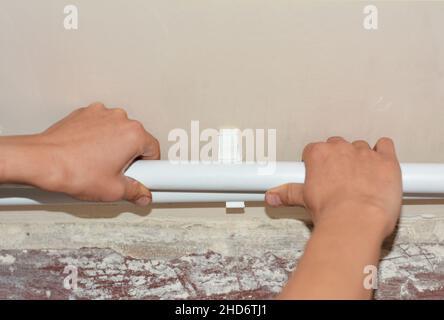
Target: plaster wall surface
x,y
306,68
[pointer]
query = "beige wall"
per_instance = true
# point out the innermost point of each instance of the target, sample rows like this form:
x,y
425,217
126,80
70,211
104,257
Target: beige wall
x,y
308,69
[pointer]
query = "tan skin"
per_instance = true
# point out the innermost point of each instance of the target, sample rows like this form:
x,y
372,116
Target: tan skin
x,y
83,155
352,192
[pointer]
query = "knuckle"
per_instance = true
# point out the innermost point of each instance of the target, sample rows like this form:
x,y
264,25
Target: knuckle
x,y
156,143
336,139
136,126
292,195
309,146
96,106
156,149
307,150
318,150
120,112
385,140
135,130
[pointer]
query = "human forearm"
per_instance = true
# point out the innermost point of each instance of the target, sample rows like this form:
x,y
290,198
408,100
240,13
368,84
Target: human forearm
x,y
25,159
336,255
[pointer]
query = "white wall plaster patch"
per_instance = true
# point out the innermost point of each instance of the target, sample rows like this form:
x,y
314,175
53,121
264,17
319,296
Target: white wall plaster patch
x,y
7,259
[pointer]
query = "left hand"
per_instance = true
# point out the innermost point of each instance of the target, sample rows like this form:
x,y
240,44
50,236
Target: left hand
x,y
90,150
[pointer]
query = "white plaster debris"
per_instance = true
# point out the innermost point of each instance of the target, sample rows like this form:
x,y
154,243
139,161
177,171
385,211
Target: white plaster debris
x,y
138,281
113,258
7,259
399,263
169,291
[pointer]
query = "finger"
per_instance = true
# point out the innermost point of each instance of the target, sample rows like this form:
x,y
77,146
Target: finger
x,y
149,148
136,192
152,148
307,150
336,139
386,147
361,144
289,194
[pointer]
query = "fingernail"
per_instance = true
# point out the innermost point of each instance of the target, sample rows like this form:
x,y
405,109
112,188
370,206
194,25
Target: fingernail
x,y
273,199
143,201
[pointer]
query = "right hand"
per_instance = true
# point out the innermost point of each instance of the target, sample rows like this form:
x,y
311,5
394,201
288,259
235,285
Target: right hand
x,y
344,178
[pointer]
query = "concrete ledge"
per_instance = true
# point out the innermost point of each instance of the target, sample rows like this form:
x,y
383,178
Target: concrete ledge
x,y
200,253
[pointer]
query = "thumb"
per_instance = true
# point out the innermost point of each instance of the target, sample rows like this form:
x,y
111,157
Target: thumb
x,y
289,194
136,192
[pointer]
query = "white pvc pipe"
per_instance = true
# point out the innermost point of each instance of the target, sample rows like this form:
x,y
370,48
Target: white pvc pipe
x,y
190,182
163,175
24,196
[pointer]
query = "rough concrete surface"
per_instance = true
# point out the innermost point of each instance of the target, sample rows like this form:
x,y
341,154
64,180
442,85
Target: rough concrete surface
x,y
164,256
